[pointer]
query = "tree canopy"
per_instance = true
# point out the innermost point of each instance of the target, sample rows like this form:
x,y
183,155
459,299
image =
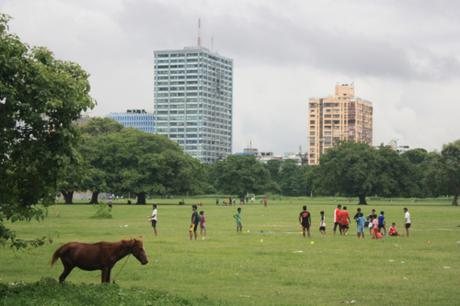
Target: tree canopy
x,y
40,97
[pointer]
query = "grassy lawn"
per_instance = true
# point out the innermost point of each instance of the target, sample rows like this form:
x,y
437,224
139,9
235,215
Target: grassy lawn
x,y
269,263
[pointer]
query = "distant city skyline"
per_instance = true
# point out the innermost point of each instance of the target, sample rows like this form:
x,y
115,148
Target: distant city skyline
x,y
401,55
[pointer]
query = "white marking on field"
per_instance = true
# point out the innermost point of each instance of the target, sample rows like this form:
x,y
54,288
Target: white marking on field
x,y
391,260
297,252
446,267
245,296
405,278
350,302
403,262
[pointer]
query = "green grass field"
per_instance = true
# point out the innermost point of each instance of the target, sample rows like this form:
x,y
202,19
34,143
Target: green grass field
x,y
270,263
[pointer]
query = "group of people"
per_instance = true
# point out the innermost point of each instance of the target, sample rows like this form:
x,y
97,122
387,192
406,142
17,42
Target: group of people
x,y
375,223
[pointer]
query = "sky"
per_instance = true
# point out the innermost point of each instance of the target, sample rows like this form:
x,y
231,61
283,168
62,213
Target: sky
x,y
403,56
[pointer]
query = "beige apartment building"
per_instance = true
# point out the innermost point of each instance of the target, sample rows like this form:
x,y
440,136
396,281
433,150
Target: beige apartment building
x,y
342,117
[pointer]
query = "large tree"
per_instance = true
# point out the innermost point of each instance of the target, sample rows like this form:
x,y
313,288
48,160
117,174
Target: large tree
x,y
40,97
451,160
348,169
93,149
241,175
293,178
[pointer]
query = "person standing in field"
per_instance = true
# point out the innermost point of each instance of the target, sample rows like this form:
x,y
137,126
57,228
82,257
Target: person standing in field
x,y
336,219
382,223
344,221
370,220
195,219
407,220
322,223
154,218
360,222
237,217
265,200
202,225
305,220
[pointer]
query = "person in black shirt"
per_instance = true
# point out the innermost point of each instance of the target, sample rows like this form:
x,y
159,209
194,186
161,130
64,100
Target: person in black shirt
x,y
305,221
195,220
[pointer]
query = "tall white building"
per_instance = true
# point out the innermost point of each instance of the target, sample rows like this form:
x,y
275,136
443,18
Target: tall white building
x,y
193,98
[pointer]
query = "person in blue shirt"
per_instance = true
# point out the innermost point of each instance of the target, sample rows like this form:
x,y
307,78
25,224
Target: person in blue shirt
x,y
360,222
382,223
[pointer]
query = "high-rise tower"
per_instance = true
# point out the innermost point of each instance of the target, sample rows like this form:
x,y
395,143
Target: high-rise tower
x,y
342,117
193,101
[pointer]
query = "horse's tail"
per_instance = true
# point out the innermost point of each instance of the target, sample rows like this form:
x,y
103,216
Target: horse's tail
x,y
56,255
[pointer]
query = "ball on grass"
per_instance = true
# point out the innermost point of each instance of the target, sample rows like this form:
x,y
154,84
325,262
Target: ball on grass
x,y
312,242
261,240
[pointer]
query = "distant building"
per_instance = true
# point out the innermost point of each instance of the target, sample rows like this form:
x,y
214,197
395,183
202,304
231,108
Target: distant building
x,y
397,147
193,101
135,118
342,117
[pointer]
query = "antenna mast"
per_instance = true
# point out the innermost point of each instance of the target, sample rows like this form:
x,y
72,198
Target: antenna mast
x,y
199,33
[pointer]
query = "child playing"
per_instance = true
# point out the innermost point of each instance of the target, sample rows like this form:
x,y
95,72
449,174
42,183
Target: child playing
x,y
154,218
393,231
237,217
202,225
381,219
360,222
375,229
195,219
322,223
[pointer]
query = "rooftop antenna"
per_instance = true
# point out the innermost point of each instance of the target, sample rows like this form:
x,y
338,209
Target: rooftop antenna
x,y
199,33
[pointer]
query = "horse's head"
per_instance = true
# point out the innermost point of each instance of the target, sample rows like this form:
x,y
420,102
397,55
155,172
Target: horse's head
x,y
137,249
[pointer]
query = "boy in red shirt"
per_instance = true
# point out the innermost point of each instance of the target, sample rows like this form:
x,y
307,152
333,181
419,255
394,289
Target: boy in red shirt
x,y
393,231
344,220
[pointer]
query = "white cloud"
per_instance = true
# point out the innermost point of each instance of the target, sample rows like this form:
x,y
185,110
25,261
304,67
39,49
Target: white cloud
x,y
403,56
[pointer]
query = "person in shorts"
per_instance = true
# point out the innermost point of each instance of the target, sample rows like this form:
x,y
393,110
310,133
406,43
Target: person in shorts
x,y
407,220
322,223
370,219
360,223
344,221
195,220
336,219
381,220
239,223
305,221
154,218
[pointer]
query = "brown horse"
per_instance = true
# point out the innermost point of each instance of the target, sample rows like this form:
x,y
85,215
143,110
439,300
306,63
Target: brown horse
x,y
97,256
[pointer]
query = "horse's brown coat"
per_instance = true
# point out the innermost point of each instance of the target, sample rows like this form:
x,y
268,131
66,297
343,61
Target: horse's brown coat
x,y
97,256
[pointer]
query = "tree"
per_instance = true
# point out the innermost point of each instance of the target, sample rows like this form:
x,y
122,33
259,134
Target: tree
x,y
93,148
142,163
395,174
349,169
450,157
40,96
241,175
293,178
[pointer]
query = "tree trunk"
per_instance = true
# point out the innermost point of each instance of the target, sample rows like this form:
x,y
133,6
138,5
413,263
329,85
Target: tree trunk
x,y
141,198
68,197
94,198
455,200
362,199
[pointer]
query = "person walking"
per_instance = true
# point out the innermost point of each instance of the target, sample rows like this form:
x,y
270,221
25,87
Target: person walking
x,y
154,218
195,220
336,217
407,221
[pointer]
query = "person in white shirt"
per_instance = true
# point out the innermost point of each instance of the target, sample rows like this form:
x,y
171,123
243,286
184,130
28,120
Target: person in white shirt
x,y
407,220
154,218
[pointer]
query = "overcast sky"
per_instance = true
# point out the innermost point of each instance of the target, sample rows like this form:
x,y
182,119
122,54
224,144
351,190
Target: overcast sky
x,y
404,56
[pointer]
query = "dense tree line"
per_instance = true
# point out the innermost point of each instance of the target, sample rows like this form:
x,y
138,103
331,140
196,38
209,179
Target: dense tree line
x,y
349,169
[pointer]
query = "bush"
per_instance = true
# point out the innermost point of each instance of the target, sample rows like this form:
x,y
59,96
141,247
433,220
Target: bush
x,y
49,292
103,211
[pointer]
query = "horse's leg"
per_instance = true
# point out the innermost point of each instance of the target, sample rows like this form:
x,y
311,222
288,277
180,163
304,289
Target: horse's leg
x,y
67,269
108,274
105,275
